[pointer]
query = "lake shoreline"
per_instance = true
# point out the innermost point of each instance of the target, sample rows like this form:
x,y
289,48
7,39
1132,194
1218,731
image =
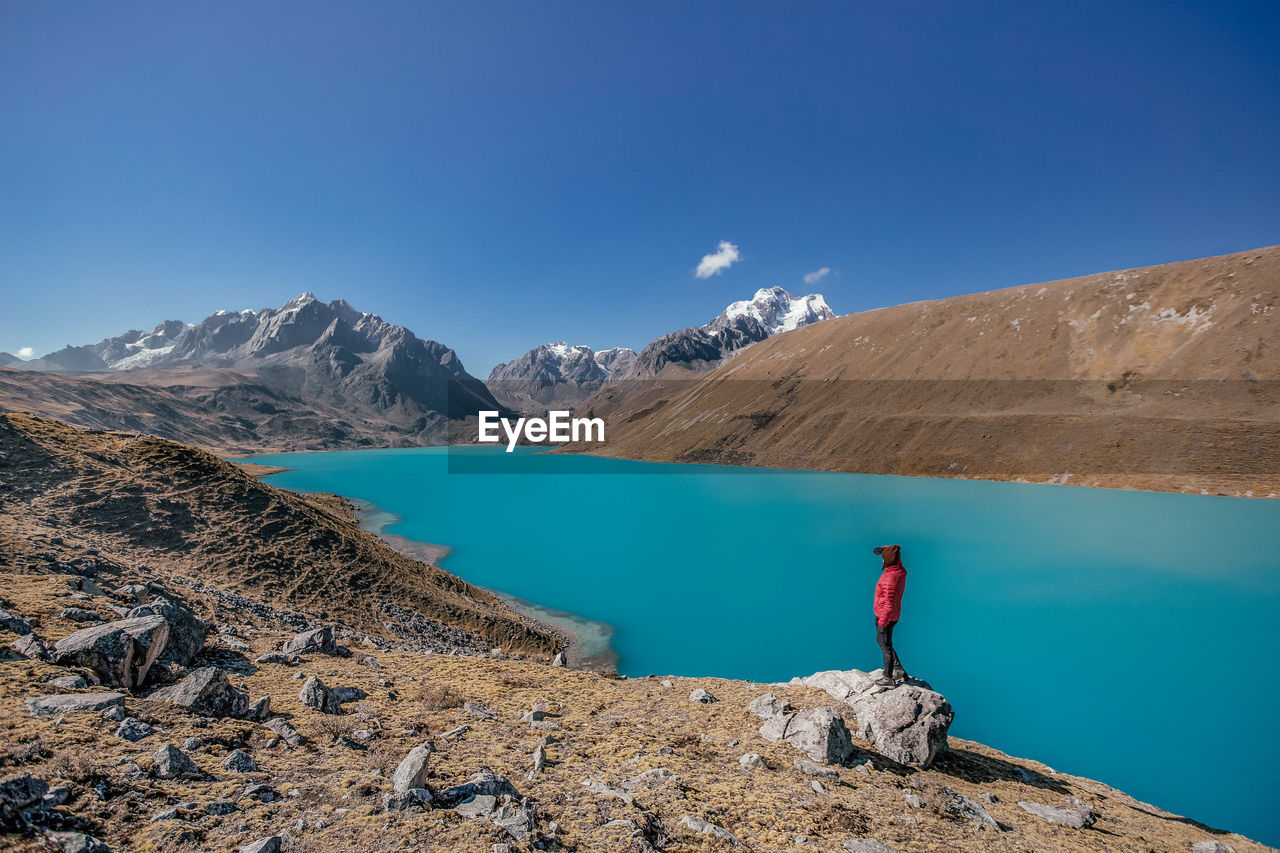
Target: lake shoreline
x,y
586,642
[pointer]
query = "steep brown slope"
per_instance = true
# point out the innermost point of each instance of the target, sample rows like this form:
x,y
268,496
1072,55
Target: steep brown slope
x,y
185,512
1163,377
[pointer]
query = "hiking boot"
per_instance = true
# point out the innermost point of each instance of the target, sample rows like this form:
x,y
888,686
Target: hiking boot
x,y
900,674
885,681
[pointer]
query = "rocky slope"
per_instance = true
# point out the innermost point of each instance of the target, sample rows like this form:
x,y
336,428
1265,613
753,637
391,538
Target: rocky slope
x,y
154,698
1162,378
307,375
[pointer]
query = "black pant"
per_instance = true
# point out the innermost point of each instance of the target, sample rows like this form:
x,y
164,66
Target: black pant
x,y
884,636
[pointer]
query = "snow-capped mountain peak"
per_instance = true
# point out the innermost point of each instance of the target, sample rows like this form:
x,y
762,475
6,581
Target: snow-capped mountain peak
x,y
776,310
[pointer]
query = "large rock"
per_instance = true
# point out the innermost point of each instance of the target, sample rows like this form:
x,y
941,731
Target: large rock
x,y
120,652
280,727
206,691
172,763
482,784
31,646
76,842
239,761
819,733
907,723
318,641
57,705
11,621
186,631
866,845
1075,818
702,827
272,844
412,771
18,793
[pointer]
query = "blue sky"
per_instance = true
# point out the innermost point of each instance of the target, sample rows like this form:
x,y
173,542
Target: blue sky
x,y
496,175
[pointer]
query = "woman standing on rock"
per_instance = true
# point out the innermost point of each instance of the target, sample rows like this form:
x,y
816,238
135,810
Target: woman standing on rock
x,y
888,607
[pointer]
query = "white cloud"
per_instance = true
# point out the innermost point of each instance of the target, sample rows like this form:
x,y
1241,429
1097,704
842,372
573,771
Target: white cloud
x,y
26,352
725,256
817,275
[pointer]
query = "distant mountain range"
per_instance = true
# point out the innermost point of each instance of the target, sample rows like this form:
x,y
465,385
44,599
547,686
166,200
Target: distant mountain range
x,y
556,374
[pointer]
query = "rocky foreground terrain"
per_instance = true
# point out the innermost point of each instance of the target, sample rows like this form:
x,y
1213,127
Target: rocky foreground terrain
x,y
154,695
1162,378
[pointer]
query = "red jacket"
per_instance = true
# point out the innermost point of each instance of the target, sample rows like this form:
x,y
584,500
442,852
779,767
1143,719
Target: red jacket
x,y
889,589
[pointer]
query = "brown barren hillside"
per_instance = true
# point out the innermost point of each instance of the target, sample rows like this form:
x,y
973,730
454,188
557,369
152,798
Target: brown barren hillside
x,y
1164,378
186,513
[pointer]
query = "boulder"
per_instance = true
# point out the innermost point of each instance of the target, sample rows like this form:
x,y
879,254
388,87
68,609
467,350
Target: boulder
x,y
698,825
701,697
239,761
317,641
120,652
768,705
752,760
205,691
484,783
186,631
260,792
66,703
172,763
1081,818
31,646
271,844
558,660
18,793
281,728
819,733
80,614
961,806
14,623
259,709
398,801
76,842
866,845
412,770
817,771
133,730
220,807
69,682
907,723
315,695
1211,846
516,819
273,657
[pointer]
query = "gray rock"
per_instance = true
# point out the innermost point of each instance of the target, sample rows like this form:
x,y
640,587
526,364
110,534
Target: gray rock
x,y
597,787
816,786
115,714
280,726
907,723
56,796
259,709
412,770
1211,846
14,623
912,800
315,695
258,791
273,657
558,660
343,695
76,842
172,763
398,801
187,632
517,820
66,703
69,682
539,761
698,825
1074,818
192,743
701,697
819,733
480,805
205,691
220,807
18,793
963,807
165,814
131,592
31,646
477,710
271,844
485,783
239,761
133,730
120,652
808,768
318,641
80,614
768,706
866,845
752,759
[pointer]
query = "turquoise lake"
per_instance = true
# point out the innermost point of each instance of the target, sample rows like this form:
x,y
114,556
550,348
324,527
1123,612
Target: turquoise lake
x,y
1124,636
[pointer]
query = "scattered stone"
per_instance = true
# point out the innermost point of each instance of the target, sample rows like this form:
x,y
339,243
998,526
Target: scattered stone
x,y
76,842
187,632
457,731
988,797
1074,818
133,730
69,682
165,814
343,695
485,783
131,592
597,787
192,743
80,614
14,623
517,820
120,652
907,723
751,759
315,695
259,709
808,768
912,800
172,763
371,662
819,733
239,761
1211,846
866,845
280,726
115,714
768,705
220,807
264,793
206,691
398,801
66,703
18,793
864,769
816,786
477,710
271,844
318,641
412,770
539,760
697,824
30,646
274,657
961,806
702,697
56,796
